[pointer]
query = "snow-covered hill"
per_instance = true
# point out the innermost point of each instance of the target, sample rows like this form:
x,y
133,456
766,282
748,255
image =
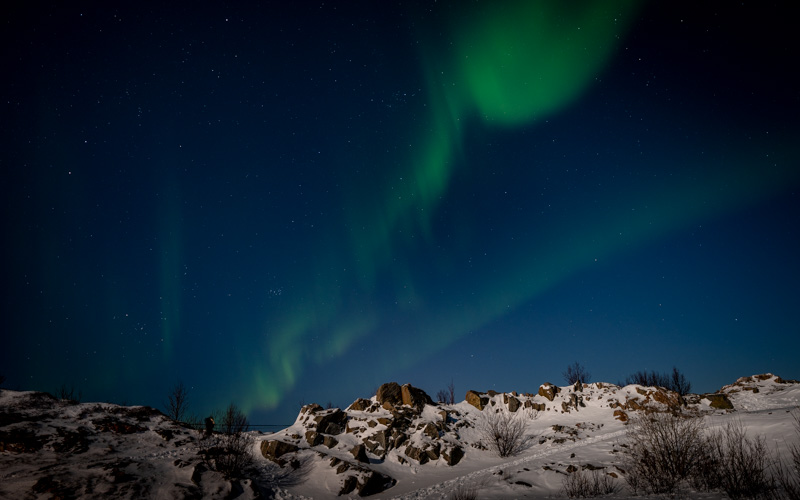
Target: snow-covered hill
x,y
396,444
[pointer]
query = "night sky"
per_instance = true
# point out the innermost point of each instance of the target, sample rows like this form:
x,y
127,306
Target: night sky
x,y
287,202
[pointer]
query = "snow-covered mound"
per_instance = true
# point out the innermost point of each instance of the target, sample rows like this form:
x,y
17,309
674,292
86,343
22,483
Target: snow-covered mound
x,y
395,444
57,449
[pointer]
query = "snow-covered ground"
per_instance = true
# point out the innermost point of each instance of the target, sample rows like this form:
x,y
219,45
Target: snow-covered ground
x,y
379,446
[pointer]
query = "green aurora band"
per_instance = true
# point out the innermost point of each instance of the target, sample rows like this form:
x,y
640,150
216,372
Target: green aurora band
x,y
507,67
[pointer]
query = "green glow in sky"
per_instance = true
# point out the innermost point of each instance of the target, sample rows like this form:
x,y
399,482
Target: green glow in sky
x,y
509,66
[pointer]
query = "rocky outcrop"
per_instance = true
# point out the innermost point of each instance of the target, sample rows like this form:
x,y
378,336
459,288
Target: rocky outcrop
x,y
719,401
389,395
361,479
359,452
416,398
512,402
475,399
274,450
331,421
548,391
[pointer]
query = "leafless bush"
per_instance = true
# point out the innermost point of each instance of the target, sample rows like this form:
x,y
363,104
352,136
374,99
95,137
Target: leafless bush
x,y
676,381
679,383
582,484
665,450
576,372
67,394
464,492
447,395
231,451
735,463
504,432
178,402
787,475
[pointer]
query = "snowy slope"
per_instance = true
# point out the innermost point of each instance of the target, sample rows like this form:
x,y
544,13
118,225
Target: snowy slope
x,y
397,444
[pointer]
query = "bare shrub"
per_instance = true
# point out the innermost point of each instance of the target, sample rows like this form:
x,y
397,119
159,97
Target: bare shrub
x,y
679,383
676,381
505,432
576,372
231,451
735,463
447,395
68,394
178,402
664,451
582,484
787,475
463,492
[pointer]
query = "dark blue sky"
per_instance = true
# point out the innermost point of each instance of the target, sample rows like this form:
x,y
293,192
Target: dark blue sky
x,y
280,203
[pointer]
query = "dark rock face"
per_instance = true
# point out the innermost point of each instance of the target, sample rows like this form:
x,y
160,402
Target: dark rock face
x,y
360,404
548,391
273,450
475,399
332,422
414,397
453,456
359,452
389,393
719,401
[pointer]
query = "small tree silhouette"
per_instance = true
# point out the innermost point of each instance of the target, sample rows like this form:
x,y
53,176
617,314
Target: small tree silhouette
x,y
576,372
178,402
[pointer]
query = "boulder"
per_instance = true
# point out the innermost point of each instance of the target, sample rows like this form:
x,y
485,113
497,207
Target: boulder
x,y
329,441
273,450
313,438
431,430
474,398
453,455
548,391
372,482
621,415
513,404
359,452
389,393
332,422
719,401
417,398
360,404
417,454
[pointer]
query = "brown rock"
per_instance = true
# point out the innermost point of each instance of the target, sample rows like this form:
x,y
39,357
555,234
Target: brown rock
x,y
329,441
513,404
548,391
475,399
414,397
389,393
719,401
360,404
332,422
430,430
453,455
313,438
359,452
417,454
273,450
621,415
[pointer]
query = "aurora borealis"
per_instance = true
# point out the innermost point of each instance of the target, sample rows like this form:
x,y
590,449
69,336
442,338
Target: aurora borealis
x,y
278,203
